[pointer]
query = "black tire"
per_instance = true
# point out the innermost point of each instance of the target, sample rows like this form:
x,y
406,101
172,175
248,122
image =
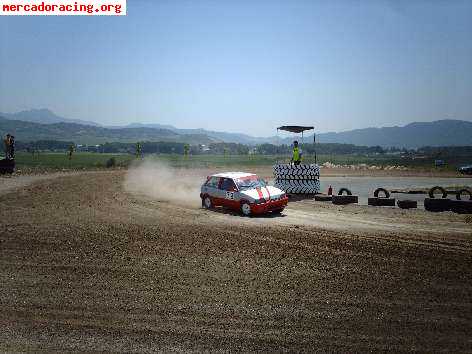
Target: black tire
x,y
381,190
342,190
462,191
461,206
437,188
298,186
277,211
206,202
323,198
245,208
407,204
437,205
381,201
345,199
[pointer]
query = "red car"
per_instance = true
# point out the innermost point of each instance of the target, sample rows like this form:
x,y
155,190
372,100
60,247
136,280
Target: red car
x,y
241,191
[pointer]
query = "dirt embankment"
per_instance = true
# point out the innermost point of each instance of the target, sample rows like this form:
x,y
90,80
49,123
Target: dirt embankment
x,y
87,265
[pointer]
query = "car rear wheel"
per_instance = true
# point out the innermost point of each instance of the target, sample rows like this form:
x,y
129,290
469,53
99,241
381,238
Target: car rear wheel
x,y
246,209
207,204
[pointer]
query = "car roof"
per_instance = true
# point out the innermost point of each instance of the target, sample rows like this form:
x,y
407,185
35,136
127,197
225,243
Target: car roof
x,y
233,175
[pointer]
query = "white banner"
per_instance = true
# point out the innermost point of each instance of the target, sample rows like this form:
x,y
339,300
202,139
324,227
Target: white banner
x,y
62,7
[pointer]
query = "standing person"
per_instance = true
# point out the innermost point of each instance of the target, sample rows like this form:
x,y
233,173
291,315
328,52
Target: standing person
x,y
12,147
71,151
297,154
6,143
139,150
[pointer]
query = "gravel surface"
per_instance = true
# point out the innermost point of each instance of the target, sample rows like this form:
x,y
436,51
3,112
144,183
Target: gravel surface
x,y
87,266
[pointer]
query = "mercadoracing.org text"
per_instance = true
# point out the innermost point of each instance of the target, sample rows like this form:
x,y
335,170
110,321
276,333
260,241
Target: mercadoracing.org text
x,y
62,7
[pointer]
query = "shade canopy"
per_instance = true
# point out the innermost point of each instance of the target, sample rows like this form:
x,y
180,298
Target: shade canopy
x,y
294,128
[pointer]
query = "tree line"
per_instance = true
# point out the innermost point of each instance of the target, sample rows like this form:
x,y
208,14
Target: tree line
x,y
148,147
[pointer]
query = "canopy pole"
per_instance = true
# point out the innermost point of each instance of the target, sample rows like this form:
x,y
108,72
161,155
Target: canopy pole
x,y
314,145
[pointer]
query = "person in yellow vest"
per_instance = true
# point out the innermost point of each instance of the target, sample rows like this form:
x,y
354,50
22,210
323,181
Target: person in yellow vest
x,y
6,142
297,154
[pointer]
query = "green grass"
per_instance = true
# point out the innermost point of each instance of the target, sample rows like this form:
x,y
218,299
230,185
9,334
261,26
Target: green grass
x,y
84,160
57,161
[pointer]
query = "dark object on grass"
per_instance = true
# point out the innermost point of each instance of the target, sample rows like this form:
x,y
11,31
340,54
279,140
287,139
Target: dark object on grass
x,y
323,198
437,205
437,188
7,166
111,162
344,199
342,190
381,190
462,191
461,206
375,201
407,204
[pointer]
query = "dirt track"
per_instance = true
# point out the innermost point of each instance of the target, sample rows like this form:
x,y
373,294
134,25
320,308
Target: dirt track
x,y
86,266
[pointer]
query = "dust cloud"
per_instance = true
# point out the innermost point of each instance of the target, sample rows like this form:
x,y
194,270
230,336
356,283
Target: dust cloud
x,y
164,183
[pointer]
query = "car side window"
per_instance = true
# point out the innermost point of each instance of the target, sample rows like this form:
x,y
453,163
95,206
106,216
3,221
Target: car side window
x,y
213,182
228,185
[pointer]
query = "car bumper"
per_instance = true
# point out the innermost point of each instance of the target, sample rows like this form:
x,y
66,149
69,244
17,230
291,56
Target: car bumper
x,y
269,206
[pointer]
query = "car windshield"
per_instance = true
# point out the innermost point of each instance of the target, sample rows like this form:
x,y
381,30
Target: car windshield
x,y
250,182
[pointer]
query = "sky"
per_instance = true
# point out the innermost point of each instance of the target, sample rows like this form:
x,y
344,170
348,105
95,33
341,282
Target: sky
x,y
245,65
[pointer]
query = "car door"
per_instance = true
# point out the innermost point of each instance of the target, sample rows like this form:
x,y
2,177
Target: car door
x,y
211,188
228,192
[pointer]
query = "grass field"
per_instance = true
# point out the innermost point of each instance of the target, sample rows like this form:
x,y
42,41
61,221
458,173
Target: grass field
x,y
86,160
53,160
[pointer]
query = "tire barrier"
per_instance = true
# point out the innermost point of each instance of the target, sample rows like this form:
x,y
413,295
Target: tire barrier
x,y
345,199
323,198
342,190
296,170
376,201
462,191
437,205
298,186
381,190
461,206
407,204
7,166
297,179
437,188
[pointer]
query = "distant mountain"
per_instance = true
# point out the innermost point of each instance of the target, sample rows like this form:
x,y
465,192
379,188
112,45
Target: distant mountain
x,y
88,134
46,116
223,136
43,116
438,133
414,135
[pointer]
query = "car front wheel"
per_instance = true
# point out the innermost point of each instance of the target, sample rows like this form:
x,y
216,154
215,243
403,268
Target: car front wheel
x,y
246,209
207,204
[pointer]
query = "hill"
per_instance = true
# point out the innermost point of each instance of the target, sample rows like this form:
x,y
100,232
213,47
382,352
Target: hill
x,y
88,134
43,116
46,116
414,135
238,138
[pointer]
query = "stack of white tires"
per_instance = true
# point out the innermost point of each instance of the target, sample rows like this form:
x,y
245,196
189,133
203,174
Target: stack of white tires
x,y
297,179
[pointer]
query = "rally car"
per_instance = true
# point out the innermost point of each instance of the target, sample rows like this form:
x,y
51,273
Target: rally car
x,y
241,191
